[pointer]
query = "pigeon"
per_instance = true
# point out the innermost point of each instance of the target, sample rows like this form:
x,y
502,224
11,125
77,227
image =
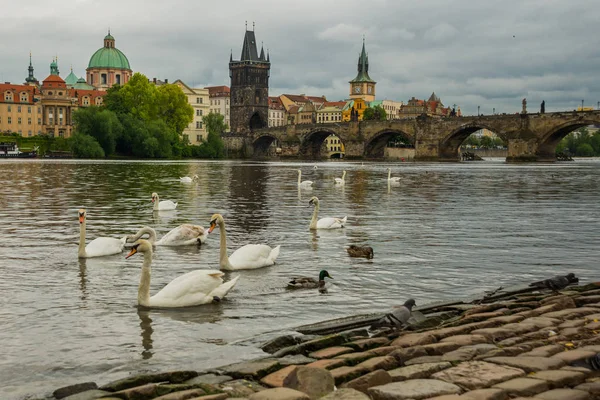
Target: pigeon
x,y
397,318
592,363
557,283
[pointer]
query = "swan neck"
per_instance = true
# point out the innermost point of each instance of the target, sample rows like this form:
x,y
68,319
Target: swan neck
x,y
144,289
81,250
299,177
223,259
146,230
389,174
155,208
313,222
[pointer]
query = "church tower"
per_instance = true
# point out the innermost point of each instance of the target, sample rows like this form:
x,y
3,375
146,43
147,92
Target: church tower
x,y
30,80
363,87
249,96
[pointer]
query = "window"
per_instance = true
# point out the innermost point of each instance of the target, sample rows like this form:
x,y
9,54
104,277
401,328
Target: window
x,y
23,97
18,109
9,108
197,113
92,80
198,123
9,120
19,120
39,121
198,138
118,77
39,110
8,96
28,110
60,93
29,133
103,79
200,112
29,122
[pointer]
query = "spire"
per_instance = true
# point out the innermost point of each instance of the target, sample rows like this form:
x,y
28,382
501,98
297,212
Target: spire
x,y
363,66
268,58
249,51
231,55
262,52
30,78
54,66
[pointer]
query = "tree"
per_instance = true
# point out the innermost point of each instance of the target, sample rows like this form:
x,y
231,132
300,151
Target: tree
x,y
487,142
137,97
376,113
215,125
85,146
102,124
173,107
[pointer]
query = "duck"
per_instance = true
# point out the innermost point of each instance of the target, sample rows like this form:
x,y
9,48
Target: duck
x,y
99,247
302,183
250,256
202,286
183,235
305,282
391,179
324,223
340,181
360,251
164,205
187,179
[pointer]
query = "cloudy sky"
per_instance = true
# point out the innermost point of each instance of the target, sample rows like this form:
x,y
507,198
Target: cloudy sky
x,y
483,53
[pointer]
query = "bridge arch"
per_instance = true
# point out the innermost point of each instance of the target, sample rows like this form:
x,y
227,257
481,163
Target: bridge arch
x,y
547,144
312,142
375,147
262,144
449,145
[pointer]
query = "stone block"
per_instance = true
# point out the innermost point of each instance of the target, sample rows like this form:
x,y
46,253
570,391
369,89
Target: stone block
x,y
495,334
240,388
327,363
414,339
574,323
295,359
559,378
189,394
255,369
564,394
485,394
345,374
465,340
590,387
528,364
571,313
509,319
482,316
478,374
523,386
139,380
403,355
354,358
424,359
210,379
383,351
88,395
315,382
417,371
573,355
346,394
220,396
276,379
375,378
74,389
279,394
330,352
545,351
383,362
437,349
366,344
414,389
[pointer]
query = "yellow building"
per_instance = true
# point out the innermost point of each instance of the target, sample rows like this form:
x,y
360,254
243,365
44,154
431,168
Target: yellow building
x,y
334,147
20,109
195,133
330,112
363,87
354,110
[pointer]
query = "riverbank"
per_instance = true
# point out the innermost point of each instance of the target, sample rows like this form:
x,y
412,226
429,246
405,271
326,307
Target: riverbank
x,y
519,342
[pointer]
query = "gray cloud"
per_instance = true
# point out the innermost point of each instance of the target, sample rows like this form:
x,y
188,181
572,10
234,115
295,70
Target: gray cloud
x,y
487,54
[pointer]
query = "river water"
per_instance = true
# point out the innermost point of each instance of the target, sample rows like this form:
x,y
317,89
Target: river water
x,y
446,231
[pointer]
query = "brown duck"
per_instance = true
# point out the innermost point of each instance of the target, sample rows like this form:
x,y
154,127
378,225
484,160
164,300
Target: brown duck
x,y
360,251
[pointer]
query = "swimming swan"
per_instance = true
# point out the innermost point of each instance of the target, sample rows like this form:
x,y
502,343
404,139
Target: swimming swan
x,y
164,205
324,223
340,181
250,256
183,235
301,182
187,179
395,179
102,246
202,286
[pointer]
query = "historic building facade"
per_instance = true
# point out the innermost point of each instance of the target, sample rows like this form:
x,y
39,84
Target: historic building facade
x,y
219,97
363,87
277,112
249,87
432,107
108,66
195,133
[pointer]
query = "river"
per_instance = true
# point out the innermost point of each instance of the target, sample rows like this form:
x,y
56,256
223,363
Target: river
x,y
447,230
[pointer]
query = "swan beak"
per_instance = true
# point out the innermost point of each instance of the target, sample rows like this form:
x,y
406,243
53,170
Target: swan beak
x,y
213,224
81,219
132,252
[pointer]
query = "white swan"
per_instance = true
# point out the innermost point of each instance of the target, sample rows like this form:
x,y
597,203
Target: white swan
x,y
302,183
162,205
340,181
187,179
183,235
250,256
102,246
324,223
198,287
395,179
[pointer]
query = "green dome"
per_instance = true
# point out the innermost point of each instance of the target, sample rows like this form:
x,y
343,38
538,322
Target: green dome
x,y
109,37
71,79
107,57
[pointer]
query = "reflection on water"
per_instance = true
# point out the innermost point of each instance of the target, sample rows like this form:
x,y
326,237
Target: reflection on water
x,y
445,230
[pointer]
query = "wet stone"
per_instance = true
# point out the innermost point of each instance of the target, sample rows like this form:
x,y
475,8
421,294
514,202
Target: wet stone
x,y
327,363
375,378
564,394
424,359
315,382
414,339
478,374
529,364
330,352
523,386
417,371
296,359
366,344
74,389
240,388
279,394
574,355
210,379
276,379
383,362
415,389
255,369
545,351
87,395
355,358
139,380
587,300
346,394
465,340
485,394
559,378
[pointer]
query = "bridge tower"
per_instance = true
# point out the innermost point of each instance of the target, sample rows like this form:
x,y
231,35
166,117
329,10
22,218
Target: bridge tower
x,y
249,97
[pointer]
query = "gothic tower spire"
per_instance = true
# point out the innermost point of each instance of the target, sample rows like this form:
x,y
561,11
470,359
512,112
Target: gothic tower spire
x,y
30,78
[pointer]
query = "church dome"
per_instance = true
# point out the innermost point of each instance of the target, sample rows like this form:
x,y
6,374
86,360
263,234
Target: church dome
x,y
109,56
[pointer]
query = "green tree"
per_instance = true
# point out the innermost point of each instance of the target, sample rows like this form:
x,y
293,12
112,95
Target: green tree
x,y
102,124
376,113
215,125
472,140
85,146
584,150
173,107
487,142
137,97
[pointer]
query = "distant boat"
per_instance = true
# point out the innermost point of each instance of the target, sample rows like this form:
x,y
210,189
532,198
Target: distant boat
x,y
11,150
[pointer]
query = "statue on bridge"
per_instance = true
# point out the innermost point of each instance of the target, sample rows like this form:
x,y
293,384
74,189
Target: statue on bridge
x,y
543,107
524,110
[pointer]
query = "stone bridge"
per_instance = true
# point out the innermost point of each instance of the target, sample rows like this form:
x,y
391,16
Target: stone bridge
x,y
529,137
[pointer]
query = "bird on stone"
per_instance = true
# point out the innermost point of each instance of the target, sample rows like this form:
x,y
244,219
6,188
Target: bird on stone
x,y
397,318
592,363
557,283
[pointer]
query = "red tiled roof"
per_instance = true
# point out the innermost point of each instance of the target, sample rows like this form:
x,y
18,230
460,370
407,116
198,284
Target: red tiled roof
x,y
54,81
218,91
297,98
16,89
318,100
293,110
81,93
275,103
334,104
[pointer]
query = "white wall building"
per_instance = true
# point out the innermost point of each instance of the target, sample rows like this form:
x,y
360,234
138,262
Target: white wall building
x,y
198,98
219,101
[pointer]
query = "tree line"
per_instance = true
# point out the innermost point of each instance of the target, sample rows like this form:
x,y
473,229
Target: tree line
x,y
142,120
580,143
